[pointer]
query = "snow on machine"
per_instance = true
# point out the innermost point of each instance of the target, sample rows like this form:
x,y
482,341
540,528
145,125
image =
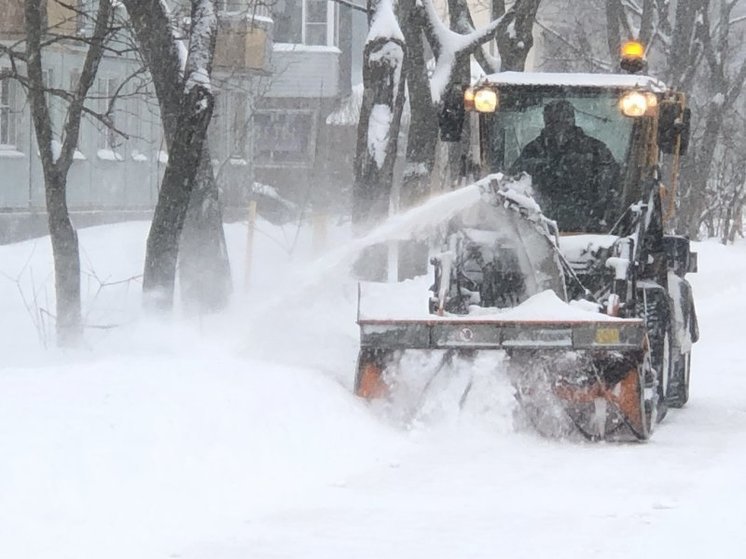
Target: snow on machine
x,y
562,264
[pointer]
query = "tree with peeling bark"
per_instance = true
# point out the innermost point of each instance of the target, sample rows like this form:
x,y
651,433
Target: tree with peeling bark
x,y
188,216
57,157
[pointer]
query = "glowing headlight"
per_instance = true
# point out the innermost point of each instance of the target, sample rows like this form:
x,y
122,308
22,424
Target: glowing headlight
x,y
469,99
634,104
485,100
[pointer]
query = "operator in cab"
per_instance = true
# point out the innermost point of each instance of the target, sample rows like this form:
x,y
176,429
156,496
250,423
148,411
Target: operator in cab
x,y
575,177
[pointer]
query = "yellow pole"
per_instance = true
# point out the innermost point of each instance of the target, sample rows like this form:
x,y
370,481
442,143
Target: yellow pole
x,y
249,243
318,243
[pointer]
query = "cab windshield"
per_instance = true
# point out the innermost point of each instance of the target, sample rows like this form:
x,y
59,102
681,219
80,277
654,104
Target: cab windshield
x,y
574,144
520,120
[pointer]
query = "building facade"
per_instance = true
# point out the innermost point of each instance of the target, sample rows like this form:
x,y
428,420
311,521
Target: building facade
x,y
280,71
117,170
296,150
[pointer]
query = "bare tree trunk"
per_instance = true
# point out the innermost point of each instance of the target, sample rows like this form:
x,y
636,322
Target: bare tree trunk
x,y
684,50
173,199
65,249
422,139
714,46
205,270
377,140
374,170
378,134
614,16
66,254
515,35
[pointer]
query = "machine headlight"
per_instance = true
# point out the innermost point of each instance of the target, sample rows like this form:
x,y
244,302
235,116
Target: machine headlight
x,y
469,99
634,104
485,100
652,100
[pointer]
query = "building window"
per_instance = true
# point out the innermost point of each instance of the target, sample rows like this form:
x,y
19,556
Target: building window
x,y
316,14
83,18
8,113
229,129
284,137
305,22
107,90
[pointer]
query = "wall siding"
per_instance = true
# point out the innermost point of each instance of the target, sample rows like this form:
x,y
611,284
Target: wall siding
x,y
305,72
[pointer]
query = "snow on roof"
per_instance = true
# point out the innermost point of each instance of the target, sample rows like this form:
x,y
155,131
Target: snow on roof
x,y
576,80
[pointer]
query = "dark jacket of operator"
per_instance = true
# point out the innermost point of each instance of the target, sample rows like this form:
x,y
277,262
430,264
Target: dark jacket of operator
x,y
575,176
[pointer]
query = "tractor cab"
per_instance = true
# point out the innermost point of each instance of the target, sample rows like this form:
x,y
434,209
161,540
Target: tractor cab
x,y
591,143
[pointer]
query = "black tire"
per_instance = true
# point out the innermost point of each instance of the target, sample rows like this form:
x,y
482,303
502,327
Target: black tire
x,y
648,399
678,394
654,307
665,368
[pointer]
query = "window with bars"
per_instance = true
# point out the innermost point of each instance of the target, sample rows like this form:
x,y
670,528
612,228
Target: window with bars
x,y
305,22
8,113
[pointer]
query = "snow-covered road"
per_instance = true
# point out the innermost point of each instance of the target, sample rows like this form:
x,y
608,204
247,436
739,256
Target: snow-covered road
x,y
239,438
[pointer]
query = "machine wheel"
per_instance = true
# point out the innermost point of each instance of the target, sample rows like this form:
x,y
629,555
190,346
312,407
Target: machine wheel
x,y
637,401
665,371
648,398
678,394
655,308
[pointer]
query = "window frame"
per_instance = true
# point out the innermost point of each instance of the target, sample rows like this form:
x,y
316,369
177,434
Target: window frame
x,y
309,155
9,91
331,24
107,136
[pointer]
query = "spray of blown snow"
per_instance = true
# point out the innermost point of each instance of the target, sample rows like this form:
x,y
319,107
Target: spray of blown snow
x,y
411,223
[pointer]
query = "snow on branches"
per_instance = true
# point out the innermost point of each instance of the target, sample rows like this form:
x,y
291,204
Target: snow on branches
x,y
449,47
201,45
384,63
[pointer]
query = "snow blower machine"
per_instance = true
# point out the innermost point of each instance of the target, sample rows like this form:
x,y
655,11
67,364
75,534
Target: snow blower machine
x,y
562,264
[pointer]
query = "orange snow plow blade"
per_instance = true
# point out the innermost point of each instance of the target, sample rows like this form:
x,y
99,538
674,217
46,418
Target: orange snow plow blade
x,y
595,372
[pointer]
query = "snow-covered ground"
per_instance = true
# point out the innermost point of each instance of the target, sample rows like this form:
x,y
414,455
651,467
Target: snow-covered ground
x,y
237,436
